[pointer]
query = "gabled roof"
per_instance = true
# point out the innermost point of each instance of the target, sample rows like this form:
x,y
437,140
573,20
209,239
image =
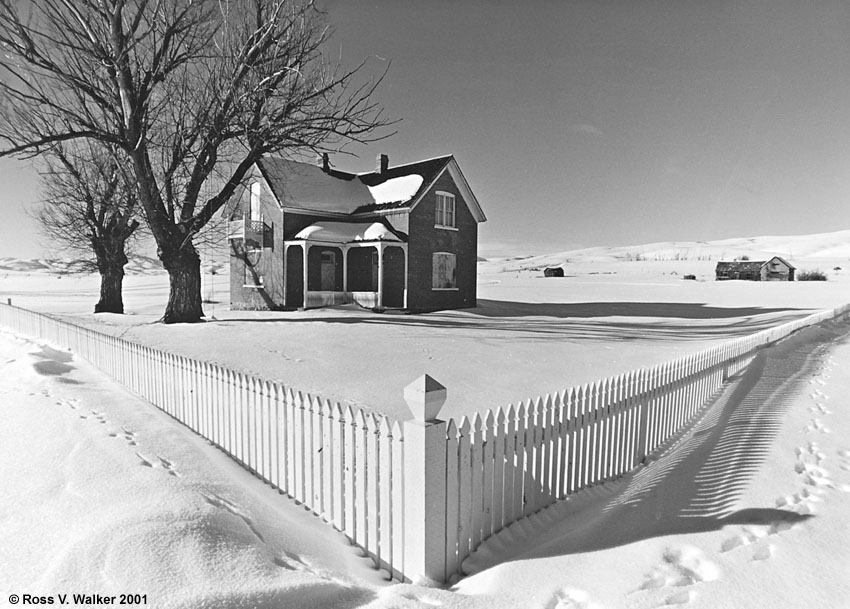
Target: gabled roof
x,y
306,187
748,266
430,170
751,266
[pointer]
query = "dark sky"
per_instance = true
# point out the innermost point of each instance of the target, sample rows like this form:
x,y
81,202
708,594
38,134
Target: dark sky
x,y
616,122
607,122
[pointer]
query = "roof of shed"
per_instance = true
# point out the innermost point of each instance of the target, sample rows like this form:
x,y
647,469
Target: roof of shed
x,y
741,265
752,266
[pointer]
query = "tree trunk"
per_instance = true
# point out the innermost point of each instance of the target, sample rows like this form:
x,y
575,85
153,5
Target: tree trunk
x,y
111,301
110,264
184,278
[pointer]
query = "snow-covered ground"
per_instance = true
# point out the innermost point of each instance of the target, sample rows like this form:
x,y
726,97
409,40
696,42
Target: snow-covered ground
x,y
104,494
529,336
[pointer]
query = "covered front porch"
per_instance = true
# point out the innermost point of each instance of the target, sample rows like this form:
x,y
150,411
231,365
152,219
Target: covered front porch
x,y
335,263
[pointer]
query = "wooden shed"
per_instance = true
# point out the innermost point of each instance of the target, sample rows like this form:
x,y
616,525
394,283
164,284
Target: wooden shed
x,y
775,269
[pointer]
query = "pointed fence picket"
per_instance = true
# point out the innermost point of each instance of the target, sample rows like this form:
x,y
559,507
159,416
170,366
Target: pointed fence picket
x,y
420,509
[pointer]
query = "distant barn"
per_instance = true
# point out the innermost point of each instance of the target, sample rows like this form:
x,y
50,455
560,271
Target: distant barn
x,y
775,269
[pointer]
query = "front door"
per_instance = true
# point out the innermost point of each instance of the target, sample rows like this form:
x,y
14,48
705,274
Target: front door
x,y
328,271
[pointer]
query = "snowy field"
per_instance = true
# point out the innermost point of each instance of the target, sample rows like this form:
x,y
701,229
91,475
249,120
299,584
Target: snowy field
x,y
618,309
104,494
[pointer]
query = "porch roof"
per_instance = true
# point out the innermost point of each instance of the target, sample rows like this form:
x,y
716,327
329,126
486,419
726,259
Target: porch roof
x,y
346,232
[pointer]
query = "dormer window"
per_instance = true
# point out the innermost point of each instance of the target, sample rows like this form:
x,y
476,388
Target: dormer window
x,y
445,217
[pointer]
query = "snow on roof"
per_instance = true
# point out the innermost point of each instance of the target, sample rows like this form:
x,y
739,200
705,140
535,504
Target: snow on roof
x,y
307,186
402,188
346,232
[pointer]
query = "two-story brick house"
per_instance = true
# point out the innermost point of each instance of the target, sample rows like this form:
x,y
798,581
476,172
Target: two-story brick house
x,y
305,236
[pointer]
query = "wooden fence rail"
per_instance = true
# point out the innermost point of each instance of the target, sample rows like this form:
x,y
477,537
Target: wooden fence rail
x,y
420,495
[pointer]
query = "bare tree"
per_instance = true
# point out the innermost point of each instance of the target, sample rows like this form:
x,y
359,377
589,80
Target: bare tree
x,y
90,207
184,88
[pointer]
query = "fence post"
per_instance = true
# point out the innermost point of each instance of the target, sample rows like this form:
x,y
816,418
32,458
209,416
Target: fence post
x,y
424,525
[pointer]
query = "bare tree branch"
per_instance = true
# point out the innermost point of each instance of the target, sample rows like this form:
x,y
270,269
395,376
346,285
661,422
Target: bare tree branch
x,y
91,208
192,93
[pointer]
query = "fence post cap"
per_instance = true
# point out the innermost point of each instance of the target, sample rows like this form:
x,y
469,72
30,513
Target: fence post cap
x,y
425,397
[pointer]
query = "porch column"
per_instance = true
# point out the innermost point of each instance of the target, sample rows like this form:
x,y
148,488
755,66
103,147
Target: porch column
x,y
345,249
380,274
306,265
285,271
406,273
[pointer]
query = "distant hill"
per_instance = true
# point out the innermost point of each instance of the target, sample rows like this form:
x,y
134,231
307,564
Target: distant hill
x,y
65,266
138,265
804,247
832,246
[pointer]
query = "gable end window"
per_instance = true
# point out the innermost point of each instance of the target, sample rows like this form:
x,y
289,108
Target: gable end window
x,y
445,216
444,271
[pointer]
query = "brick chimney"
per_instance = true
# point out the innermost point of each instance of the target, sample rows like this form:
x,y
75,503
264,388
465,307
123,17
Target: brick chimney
x,y
323,160
382,163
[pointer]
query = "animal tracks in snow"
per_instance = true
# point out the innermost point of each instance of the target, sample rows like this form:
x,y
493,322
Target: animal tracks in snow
x,y
680,571
568,598
159,463
844,459
126,434
71,403
285,560
234,509
816,479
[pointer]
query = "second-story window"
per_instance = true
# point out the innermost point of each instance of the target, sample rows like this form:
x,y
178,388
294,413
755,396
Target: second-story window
x,y
445,216
256,202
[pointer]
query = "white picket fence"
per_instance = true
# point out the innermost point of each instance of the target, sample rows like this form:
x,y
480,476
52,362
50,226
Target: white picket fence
x,y
344,464
421,495
508,464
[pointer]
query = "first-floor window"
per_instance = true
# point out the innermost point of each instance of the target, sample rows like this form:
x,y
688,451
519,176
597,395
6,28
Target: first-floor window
x,y
444,274
253,278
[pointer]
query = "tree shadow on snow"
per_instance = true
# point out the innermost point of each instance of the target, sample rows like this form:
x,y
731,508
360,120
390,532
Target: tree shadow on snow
x,y
697,484
678,310
52,362
568,321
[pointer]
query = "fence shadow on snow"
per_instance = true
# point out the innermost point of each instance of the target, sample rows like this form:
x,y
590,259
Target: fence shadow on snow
x,y
696,481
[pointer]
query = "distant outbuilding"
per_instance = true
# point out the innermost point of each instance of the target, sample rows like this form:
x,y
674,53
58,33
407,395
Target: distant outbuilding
x,y
775,269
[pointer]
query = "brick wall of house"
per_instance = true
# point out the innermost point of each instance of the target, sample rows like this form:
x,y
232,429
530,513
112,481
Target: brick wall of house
x,y
426,238
266,262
